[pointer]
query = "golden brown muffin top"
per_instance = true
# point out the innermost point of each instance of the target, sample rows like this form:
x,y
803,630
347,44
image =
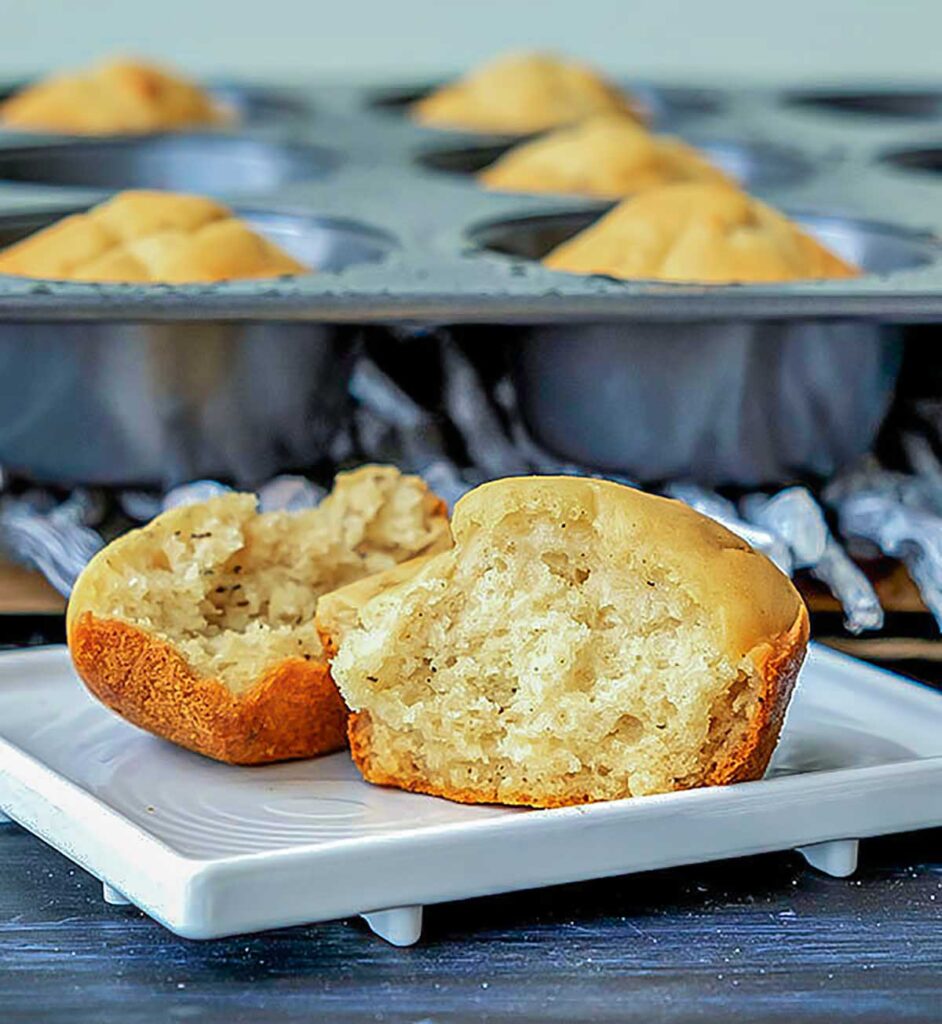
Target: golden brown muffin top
x,y
519,93
113,97
142,237
750,599
607,156
698,232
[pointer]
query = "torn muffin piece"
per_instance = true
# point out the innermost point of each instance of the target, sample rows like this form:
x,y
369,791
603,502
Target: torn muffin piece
x,y
582,641
199,627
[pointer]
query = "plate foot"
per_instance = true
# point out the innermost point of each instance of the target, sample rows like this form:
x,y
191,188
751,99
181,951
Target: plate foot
x,y
112,895
400,926
837,857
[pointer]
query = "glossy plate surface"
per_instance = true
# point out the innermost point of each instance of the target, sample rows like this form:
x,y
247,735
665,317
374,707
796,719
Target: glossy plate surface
x,y
210,850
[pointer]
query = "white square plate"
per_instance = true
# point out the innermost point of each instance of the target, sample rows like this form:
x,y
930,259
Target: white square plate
x,y
209,850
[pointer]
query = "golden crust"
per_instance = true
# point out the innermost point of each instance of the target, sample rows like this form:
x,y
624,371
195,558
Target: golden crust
x,y
698,232
779,669
606,156
293,711
758,613
751,598
521,93
116,96
143,236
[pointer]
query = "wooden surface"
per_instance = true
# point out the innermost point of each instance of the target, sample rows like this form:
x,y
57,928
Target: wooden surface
x,y
762,939
893,584
758,939
24,591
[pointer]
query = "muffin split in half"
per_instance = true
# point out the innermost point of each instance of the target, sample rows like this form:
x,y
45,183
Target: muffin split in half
x,y
583,641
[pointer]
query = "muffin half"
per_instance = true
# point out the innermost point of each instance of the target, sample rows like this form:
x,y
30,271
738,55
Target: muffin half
x,y
199,627
582,641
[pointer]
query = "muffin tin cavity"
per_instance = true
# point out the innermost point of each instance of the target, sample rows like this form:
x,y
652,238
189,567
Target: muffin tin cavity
x,y
325,244
257,106
924,160
722,402
919,104
666,105
669,105
206,164
876,248
756,165
363,180
397,101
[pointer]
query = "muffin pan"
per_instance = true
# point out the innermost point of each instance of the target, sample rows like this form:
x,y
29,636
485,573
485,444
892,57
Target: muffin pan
x,y
391,218
456,253
167,402
211,164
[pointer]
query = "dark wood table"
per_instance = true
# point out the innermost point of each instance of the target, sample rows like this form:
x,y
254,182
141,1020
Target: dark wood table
x,y
759,939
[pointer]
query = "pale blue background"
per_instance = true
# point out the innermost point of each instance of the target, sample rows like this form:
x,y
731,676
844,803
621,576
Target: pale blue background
x,y
795,40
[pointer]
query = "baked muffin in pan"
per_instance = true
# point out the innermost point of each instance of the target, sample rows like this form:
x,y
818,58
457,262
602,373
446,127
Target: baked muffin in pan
x,y
117,96
149,237
522,93
705,232
606,156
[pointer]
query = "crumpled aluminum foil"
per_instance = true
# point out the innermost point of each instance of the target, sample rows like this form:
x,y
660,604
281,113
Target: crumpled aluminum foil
x,y
56,539
385,409
900,515
795,516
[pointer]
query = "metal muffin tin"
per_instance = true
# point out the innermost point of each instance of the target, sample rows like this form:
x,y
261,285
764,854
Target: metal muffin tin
x,y
158,403
353,153
331,169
